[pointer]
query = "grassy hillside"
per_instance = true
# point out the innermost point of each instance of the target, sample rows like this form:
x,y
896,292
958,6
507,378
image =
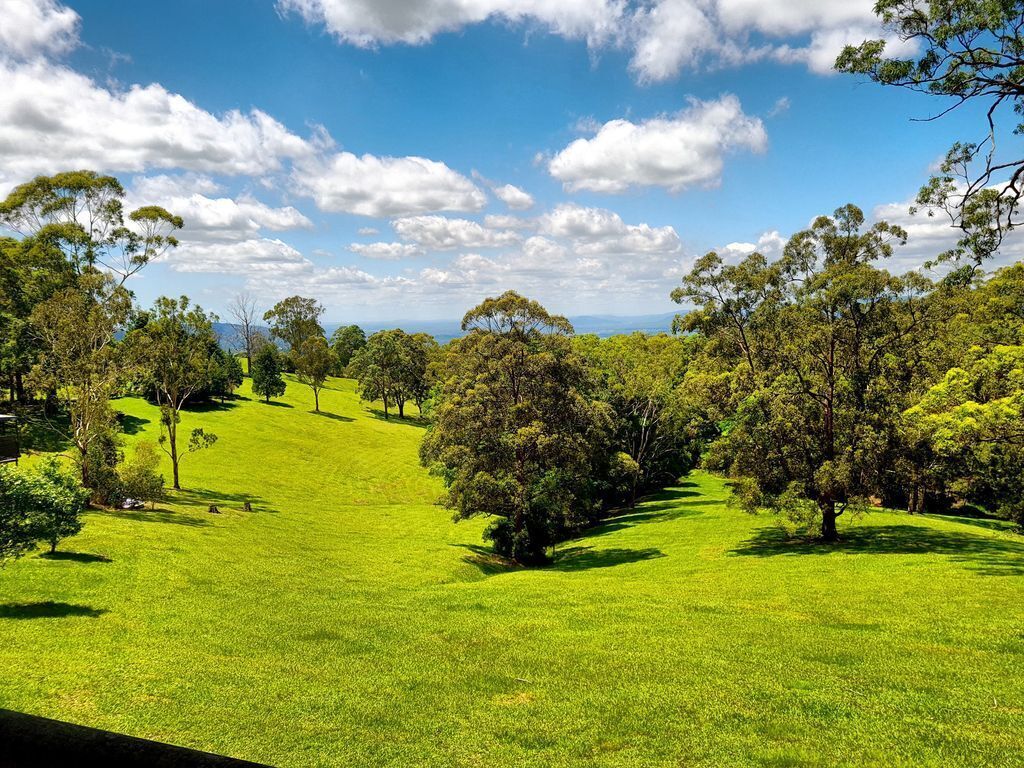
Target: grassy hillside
x,y
348,621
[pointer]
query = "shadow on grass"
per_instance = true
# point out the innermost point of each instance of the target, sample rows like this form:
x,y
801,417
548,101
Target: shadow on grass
x,y
276,404
668,504
413,421
76,557
978,521
157,515
334,416
131,425
576,558
48,610
38,434
204,497
210,406
988,555
587,558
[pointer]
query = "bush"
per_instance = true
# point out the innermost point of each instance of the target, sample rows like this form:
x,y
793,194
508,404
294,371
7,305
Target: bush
x,y
100,473
139,476
36,505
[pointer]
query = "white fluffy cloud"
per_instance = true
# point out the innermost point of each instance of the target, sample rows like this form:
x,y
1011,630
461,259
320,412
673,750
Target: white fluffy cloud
x,y
366,23
29,27
514,197
245,257
600,231
674,152
769,244
385,251
55,119
385,186
664,36
213,218
440,233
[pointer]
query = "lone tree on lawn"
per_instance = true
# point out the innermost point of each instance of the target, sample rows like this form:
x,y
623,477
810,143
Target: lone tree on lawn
x,y
266,373
36,505
314,362
515,434
177,347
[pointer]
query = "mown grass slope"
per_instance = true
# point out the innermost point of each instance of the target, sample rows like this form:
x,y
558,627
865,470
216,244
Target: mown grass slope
x,y
348,621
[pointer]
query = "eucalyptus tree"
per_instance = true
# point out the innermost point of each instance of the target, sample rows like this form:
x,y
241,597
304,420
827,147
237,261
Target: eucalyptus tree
x,y
515,434
176,348
965,51
244,313
80,360
82,214
294,320
314,362
345,342
814,423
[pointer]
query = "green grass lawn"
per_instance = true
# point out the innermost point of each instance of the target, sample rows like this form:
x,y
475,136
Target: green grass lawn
x,y
347,621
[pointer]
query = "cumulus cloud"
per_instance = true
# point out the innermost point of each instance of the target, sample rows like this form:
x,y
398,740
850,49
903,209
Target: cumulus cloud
x,y
366,23
31,27
368,231
514,197
674,152
213,218
769,244
440,233
55,119
385,251
504,221
663,36
245,257
385,186
600,231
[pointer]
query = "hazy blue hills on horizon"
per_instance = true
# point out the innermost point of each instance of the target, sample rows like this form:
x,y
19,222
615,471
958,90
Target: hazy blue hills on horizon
x,y
446,330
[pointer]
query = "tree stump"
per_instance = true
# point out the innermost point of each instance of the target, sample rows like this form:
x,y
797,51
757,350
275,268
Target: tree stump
x,y
214,510
248,506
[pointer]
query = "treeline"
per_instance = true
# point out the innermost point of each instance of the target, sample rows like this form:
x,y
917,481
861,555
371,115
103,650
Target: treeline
x,y
819,382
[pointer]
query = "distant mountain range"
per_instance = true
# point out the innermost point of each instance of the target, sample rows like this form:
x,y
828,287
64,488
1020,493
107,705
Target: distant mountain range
x,y
446,330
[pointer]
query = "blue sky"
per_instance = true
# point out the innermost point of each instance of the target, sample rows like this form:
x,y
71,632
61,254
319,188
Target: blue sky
x,y
285,132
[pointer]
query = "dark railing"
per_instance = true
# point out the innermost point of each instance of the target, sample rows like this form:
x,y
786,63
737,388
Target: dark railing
x,y
9,448
27,741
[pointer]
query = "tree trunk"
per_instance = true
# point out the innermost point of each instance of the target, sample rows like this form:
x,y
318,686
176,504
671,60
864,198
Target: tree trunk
x,y
173,435
316,400
401,408
829,532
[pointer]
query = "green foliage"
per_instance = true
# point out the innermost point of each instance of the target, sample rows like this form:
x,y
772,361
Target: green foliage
x,y
515,435
178,350
964,51
82,214
294,320
345,342
314,362
267,381
394,367
42,504
812,350
140,476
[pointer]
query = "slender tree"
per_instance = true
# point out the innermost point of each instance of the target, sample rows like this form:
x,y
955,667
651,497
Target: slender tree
x,y
243,311
314,362
175,348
